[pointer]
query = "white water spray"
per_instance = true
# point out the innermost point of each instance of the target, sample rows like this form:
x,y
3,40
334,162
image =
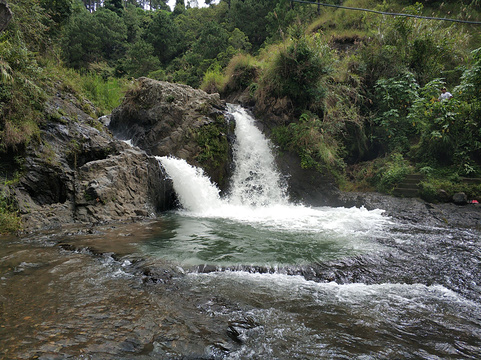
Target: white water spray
x,y
255,181
257,196
195,191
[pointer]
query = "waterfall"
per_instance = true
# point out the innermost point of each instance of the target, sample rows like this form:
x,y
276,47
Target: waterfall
x,y
255,223
257,195
255,181
193,188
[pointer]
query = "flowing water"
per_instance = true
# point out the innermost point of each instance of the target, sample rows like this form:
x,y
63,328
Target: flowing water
x,y
245,276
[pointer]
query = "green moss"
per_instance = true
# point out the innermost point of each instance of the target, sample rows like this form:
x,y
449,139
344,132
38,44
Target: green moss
x,y
212,140
10,221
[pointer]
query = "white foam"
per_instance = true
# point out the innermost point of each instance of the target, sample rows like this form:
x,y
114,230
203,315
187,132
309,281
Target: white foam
x,y
296,287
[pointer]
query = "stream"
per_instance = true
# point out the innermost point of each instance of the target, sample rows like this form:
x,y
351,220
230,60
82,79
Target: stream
x,y
248,275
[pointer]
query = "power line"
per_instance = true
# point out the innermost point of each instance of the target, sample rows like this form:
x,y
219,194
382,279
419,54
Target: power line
x,y
388,13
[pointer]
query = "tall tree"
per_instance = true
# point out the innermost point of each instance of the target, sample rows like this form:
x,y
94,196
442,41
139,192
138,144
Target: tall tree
x,y
213,39
58,10
88,38
164,35
116,6
250,17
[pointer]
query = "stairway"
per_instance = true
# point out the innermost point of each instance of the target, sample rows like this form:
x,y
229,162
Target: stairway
x,y
466,180
409,187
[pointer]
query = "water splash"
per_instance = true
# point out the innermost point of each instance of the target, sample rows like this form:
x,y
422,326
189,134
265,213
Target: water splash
x,y
194,189
256,183
255,223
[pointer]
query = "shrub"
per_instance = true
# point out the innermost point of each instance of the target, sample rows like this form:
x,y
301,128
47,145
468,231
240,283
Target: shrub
x,y
432,187
450,130
213,81
317,149
240,73
295,72
394,97
21,98
106,94
392,172
9,218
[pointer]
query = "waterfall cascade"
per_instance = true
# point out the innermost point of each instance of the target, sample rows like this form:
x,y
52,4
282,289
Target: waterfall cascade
x,y
256,222
255,181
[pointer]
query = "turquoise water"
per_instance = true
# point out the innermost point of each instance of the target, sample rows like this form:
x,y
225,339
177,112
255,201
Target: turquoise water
x,y
190,240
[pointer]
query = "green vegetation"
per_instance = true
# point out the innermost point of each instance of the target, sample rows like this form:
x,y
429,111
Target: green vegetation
x,y
9,217
353,93
213,144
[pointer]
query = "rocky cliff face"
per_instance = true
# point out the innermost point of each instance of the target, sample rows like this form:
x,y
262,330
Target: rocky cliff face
x,y
5,15
77,171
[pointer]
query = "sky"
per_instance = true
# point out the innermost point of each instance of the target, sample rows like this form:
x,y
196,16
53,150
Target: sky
x,y
201,3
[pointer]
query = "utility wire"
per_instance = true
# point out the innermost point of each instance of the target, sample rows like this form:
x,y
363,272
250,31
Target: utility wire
x,y
388,13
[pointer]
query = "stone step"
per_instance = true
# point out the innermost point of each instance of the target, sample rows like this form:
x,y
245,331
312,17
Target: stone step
x,y
407,186
406,192
414,177
470,180
411,181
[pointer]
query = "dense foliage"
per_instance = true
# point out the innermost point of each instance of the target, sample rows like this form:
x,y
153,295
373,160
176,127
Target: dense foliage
x,y
360,90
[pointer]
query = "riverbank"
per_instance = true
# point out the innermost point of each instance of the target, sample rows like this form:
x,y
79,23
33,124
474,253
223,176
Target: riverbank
x,y
417,211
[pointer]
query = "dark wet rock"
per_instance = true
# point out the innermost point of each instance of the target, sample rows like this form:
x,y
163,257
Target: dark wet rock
x,y
126,186
307,186
417,211
460,198
76,171
131,345
236,329
171,119
443,196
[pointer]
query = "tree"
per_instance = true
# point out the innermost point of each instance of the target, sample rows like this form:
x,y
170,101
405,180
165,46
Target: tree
x,y
58,10
93,37
213,40
116,6
394,97
164,35
238,40
250,17
140,60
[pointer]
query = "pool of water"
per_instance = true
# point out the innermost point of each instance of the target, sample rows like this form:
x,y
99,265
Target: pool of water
x,y
268,236
116,292
245,276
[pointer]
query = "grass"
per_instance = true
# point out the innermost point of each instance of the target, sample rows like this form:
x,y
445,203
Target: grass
x,y
105,93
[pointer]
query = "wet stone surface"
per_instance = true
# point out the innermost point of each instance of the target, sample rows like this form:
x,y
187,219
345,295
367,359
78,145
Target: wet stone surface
x,y
89,293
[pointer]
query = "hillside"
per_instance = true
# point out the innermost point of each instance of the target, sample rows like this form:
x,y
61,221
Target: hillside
x,y
351,92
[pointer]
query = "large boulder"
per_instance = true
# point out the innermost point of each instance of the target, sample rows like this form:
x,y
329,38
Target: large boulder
x,y
167,119
125,186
